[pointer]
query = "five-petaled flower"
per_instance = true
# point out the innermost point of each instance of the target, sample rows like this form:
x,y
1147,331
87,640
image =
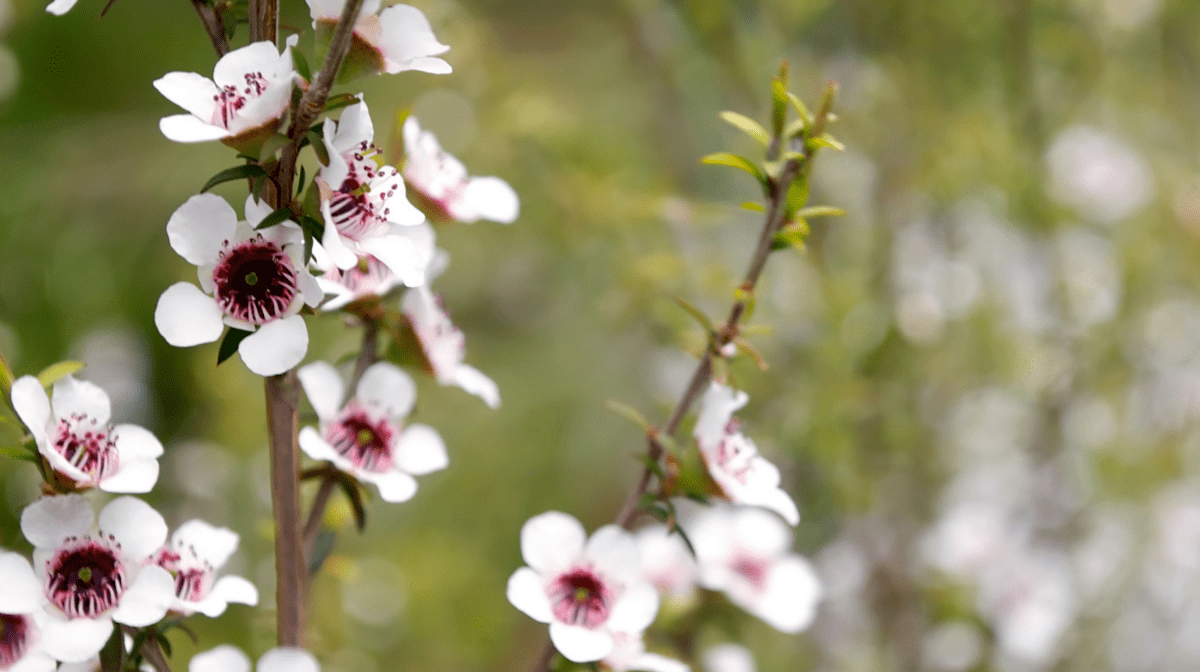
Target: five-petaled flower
x,y
366,436
440,183
88,577
668,565
227,658
252,280
74,435
444,345
744,476
590,591
22,618
197,550
397,39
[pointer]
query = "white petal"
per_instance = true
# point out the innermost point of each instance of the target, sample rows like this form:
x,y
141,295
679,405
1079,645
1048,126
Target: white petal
x,y
224,658
332,241
353,128
20,591
255,210
212,544
325,9
335,173
324,387
137,527
198,228
136,442
729,658
288,659
487,198
257,57
615,553
149,597
421,450
526,592
309,287
635,610
716,408
580,645
75,640
551,541
133,477
400,255
790,599
781,502
194,93
385,385
761,533
186,316
187,128
653,662
434,66
72,396
60,7
405,34
475,382
32,405
50,520
276,346
394,486
236,589
264,109
315,447
35,661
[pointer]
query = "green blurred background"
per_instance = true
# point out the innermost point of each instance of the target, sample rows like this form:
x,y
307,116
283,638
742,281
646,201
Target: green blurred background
x,y
983,381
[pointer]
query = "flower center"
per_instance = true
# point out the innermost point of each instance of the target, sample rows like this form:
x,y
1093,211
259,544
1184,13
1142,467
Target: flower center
x,y
87,445
359,207
736,453
580,597
255,281
753,570
16,634
367,276
367,443
230,99
86,577
194,584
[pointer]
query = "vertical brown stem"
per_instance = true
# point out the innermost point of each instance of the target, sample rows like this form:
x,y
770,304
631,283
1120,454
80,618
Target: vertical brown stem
x,y
282,398
264,20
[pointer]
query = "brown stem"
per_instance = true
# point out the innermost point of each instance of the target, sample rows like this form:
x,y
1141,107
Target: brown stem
x,y
214,25
263,16
282,398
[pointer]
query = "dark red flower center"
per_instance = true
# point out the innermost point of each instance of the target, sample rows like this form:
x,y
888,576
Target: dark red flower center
x,y
86,577
17,633
87,445
231,98
753,570
580,597
255,281
359,207
365,441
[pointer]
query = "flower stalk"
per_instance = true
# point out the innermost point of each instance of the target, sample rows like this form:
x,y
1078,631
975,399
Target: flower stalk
x,y
283,400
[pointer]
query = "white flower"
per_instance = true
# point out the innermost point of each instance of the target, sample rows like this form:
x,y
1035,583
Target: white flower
x,y
441,183
743,552
443,345
22,618
197,550
366,436
252,280
629,653
73,433
60,7
667,564
245,100
588,590
729,658
744,476
370,277
87,577
363,201
231,659
397,39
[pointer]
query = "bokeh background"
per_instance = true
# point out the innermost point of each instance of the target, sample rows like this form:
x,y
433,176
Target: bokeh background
x,y
984,381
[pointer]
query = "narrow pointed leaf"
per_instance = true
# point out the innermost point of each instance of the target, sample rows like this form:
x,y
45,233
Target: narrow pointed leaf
x,y
231,174
301,63
629,413
696,314
354,494
318,145
827,140
801,108
52,373
300,182
779,99
735,161
273,144
339,101
753,207
274,219
322,547
747,125
820,211
797,197
229,344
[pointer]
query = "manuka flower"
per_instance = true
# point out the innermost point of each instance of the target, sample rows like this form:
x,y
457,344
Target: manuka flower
x,y
397,39
197,550
590,591
744,553
629,653
241,105
74,435
22,618
89,577
252,280
370,277
440,183
732,459
362,200
443,345
231,659
366,436
667,564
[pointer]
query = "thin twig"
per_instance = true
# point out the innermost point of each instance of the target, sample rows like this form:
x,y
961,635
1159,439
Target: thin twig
x,y
214,25
282,399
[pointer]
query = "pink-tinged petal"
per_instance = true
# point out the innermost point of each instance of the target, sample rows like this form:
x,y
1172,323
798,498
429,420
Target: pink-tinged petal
x,y
635,610
224,658
236,590
60,7
32,405
35,661
421,451
149,597
336,172
72,396
187,128
133,476
580,645
266,108
789,601
729,658
386,385
195,93
288,659
136,526
487,198
526,592
77,639
400,255
653,662
315,447
257,57
615,553
406,35
716,408
394,486
325,9
324,388
761,533
212,544
551,541
332,241
781,502
429,64
475,382
185,316
20,591
50,520
276,346
200,227
60,464
353,128
136,442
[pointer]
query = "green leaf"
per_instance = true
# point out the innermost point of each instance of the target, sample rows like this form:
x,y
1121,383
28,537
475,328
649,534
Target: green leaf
x,y
629,413
234,173
301,64
322,547
112,656
318,145
795,128
820,211
51,373
18,453
260,183
780,101
274,219
797,196
747,298
754,207
686,541
801,108
300,182
735,161
697,314
826,140
313,230
354,494
229,344
747,125
792,235
273,144
6,378
339,101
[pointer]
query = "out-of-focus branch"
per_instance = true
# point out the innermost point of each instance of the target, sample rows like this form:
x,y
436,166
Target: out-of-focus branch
x,y
214,25
153,654
291,585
